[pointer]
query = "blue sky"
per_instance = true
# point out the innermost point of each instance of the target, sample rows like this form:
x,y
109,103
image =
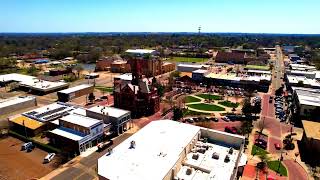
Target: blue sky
x,y
252,16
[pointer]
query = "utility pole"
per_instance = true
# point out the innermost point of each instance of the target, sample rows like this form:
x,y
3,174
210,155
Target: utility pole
x,y
25,129
281,158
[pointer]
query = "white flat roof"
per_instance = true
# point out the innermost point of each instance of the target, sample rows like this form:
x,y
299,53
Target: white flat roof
x,y
45,112
76,88
126,76
111,111
200,71
140,51
66,134
32,82
217,167
194,65
258,71
307,96
81,120
15,100
145,162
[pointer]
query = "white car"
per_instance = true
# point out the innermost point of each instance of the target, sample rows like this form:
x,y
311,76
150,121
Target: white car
x,y
49,157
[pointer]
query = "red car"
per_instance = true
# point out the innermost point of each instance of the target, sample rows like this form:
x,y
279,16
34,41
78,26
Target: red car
x,y
231,130
277,146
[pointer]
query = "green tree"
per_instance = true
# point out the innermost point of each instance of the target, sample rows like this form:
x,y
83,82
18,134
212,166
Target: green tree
x,y
246,127
264,159
91,97
160,90
256,109
247,107
32,70
78,68
177,113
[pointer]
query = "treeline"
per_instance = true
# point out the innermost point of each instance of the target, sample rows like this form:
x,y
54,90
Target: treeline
x,y
59,46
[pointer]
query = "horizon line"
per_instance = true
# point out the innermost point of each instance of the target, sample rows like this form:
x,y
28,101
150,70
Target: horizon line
x,y
153,32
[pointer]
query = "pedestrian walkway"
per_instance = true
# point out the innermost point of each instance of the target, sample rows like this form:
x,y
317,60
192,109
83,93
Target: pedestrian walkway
x,y
295,171
89,151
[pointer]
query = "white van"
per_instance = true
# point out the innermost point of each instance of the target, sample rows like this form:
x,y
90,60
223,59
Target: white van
x,y
49,157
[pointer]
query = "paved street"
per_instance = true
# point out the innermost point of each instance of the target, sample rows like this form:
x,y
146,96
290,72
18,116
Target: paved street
x,y
278,69
84,168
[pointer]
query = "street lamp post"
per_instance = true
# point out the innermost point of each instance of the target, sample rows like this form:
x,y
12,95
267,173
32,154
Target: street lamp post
x,y
280,159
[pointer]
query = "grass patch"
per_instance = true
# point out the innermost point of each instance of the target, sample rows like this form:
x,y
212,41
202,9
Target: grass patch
x,y
190,99
188,59
229,104
257,67
210,96
104,89
274,165
206,107
193,113
258,151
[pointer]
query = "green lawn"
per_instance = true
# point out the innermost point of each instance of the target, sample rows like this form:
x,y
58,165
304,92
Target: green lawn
x,y
257,67
194,113
229,104
209,96
274,165
258,151
188,59
104,89
190,99
206,107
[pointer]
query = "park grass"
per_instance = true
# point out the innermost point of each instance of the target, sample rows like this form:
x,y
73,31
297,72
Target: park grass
x,y
210,96
229,104
257,67
206,107
191,99
258,151
274,165
194,113
188,59
104,89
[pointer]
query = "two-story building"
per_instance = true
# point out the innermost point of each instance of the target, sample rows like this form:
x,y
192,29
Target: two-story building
x,y
76,133
119,119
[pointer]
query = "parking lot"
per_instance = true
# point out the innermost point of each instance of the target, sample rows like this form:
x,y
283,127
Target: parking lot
x,y
16,164
214,123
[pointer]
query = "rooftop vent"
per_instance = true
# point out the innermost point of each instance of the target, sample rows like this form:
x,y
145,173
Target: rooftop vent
x,y
132,145
227,159
189,171
230,151
195,156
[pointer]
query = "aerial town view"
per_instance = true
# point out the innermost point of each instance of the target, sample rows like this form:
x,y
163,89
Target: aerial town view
x,y
159,90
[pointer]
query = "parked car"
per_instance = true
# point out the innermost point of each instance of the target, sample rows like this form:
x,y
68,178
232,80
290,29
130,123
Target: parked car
x,y
190,120
277,146
232,130
101,146
261,143
214,119
225,119
26,146
49,157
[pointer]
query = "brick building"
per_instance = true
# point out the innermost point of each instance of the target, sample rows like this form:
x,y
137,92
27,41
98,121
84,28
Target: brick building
x,y
137,96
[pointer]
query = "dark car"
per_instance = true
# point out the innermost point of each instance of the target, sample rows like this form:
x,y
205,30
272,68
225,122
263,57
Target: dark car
x,y
214,119
261,143
190,120
232,117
